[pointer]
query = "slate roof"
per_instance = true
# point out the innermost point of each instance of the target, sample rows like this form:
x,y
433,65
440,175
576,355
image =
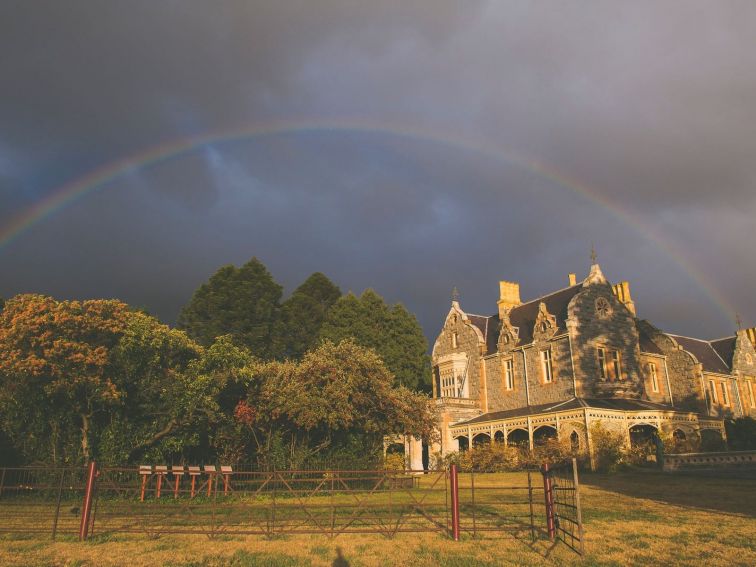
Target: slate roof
x,y
646,344
574,403
524,316
705,353
725,349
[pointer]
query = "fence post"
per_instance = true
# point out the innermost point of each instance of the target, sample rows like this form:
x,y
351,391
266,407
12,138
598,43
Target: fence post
x,y
57,503
578,511
454,486
86,508
549,497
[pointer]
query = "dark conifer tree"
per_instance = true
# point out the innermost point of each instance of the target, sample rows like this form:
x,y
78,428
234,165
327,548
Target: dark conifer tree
x,y
243,302
393,332
303,314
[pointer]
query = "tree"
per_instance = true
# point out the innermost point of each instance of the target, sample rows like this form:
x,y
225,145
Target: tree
x,y
167,398
393,333
241,302
54,362
338,393
303,313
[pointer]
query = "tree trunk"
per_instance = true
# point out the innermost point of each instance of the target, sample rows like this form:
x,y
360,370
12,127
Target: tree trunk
x,y
85,437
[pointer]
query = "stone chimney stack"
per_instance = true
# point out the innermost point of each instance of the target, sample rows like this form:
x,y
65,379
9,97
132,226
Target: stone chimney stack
x,y
751,334
573,279
509,296
622,291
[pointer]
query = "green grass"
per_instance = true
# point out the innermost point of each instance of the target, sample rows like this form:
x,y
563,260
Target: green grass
x,y
633,518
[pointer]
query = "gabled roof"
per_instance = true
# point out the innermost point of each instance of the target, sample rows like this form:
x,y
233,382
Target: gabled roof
x,y
725,349
524,316
705,353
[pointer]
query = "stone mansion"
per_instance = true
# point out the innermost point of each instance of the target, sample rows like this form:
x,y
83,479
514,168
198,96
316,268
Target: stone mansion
x,y
552,366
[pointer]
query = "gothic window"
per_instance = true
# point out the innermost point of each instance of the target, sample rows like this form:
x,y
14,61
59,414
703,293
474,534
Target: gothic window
x,y
546,367
603,308
505,339
544,326
654,377
454,340
508,374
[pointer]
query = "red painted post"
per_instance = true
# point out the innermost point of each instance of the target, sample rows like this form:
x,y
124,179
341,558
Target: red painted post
x,y
454,489
86,508
549,497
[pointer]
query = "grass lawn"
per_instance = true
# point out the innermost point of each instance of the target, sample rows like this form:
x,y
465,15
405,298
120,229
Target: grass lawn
x,y
635,518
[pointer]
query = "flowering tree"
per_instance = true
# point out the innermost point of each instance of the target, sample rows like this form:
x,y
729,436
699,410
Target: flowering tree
x,y
55,366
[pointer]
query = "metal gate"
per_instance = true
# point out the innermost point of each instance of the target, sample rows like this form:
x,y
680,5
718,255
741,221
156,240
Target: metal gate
x,y
187,500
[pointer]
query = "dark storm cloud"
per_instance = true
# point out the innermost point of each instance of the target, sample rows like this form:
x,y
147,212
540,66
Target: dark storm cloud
x,y
649,103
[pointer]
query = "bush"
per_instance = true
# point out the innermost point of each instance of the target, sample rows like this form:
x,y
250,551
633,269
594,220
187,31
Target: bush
x,y
608,448
394,462
741,433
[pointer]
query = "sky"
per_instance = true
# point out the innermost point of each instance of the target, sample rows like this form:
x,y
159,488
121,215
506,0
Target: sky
x,y
406,146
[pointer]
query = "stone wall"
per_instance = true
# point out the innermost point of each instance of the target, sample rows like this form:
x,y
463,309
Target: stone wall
x,y
615,330
468,342
662,396
684,373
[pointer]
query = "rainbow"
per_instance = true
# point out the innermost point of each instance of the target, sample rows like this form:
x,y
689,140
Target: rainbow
x,y
100,177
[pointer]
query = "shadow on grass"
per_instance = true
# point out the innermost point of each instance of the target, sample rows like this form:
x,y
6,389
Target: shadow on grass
x,y
709,492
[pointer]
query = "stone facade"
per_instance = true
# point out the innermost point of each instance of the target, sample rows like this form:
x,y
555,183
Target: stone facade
x,y
562,361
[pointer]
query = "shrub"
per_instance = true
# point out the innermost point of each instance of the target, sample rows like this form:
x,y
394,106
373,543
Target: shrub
x,y
394,462
608,447
741,433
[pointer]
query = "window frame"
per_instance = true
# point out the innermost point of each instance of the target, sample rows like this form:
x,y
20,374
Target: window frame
x,y
654,377
547,366
508,372
601,356
725,396
713,392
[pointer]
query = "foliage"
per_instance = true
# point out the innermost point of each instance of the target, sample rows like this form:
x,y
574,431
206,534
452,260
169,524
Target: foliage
x,y
303,313
608,447
394,462
241,302
55,368
498,457
393,332
741,433
339,395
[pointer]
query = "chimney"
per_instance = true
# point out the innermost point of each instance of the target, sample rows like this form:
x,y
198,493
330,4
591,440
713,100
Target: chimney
x,y
751,334
573,279
622,291
509,296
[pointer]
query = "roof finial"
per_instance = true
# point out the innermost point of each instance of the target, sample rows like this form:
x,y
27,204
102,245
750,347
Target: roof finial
x,y
738,321
455,294
593,254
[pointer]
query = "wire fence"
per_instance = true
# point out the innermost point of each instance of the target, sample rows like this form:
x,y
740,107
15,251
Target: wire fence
x,y
156,500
